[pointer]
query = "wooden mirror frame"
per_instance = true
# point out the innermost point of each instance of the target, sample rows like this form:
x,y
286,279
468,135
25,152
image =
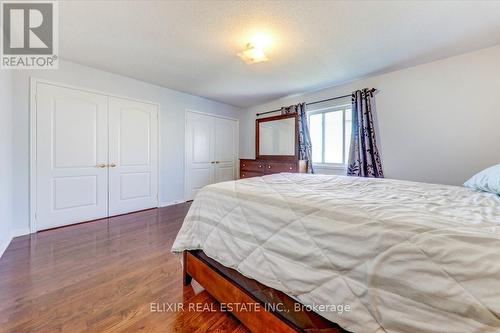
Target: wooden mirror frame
x,y
277,157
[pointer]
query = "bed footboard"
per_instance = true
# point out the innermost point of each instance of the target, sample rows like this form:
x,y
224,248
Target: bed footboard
x,y
261,309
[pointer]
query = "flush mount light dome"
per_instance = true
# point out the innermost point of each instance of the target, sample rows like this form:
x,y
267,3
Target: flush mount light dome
x,y
253,54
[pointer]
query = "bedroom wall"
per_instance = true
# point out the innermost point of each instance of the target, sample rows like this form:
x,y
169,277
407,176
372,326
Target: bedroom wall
x,y
5,159
172,107
438,122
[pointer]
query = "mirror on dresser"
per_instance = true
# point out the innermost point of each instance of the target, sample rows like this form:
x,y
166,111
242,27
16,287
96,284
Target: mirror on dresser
x,y
277,137
276,148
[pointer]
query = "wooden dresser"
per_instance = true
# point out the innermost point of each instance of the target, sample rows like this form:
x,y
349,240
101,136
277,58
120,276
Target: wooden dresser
x,y
276,148
261,167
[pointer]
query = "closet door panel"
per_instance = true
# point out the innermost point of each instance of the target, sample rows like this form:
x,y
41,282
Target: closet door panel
x,y
199,153
71,156
133,156
225,149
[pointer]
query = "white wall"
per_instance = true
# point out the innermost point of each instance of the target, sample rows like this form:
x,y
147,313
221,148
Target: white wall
x,y
5,159
172,107
438,122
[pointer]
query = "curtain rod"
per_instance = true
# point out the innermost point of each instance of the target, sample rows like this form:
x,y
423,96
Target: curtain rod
x,y
316,102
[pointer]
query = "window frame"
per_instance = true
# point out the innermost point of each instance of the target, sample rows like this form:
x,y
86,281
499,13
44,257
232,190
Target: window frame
x,y
341,107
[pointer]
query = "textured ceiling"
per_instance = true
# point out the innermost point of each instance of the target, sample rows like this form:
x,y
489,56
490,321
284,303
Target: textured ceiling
x,y
191,46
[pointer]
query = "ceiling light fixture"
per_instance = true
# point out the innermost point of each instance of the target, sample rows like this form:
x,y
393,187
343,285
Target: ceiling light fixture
x,y
253,54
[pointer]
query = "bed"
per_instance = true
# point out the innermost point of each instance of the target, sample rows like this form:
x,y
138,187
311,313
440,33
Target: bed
x,y
402,256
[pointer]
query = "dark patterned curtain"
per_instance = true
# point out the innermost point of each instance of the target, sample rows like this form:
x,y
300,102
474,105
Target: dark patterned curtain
x,y
305,147
364,157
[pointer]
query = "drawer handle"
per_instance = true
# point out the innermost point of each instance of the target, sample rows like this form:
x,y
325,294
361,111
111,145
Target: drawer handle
x,y
269,167
244,164
260,166
244,175
291,168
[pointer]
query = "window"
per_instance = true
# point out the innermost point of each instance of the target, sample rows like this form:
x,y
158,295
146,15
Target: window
x,y
330,130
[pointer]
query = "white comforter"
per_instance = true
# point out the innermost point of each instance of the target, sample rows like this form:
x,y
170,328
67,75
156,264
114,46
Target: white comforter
x,y
405,256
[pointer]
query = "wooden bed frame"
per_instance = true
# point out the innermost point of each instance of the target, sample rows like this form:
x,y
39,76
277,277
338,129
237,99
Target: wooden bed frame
x,y
262,309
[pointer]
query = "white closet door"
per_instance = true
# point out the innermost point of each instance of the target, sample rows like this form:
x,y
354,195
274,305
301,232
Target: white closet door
x,y
225,150
199,153
71,156
133,156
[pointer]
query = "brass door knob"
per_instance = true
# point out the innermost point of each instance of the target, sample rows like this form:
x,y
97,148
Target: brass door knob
x,y
100,165
217,162
112,165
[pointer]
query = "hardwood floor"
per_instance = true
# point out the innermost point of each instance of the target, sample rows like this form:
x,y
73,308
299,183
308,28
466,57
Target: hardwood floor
x,y
110,275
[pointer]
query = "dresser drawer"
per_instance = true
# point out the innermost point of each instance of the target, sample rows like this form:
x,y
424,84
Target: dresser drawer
x,y
250,174
276,167
257,168
252,165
